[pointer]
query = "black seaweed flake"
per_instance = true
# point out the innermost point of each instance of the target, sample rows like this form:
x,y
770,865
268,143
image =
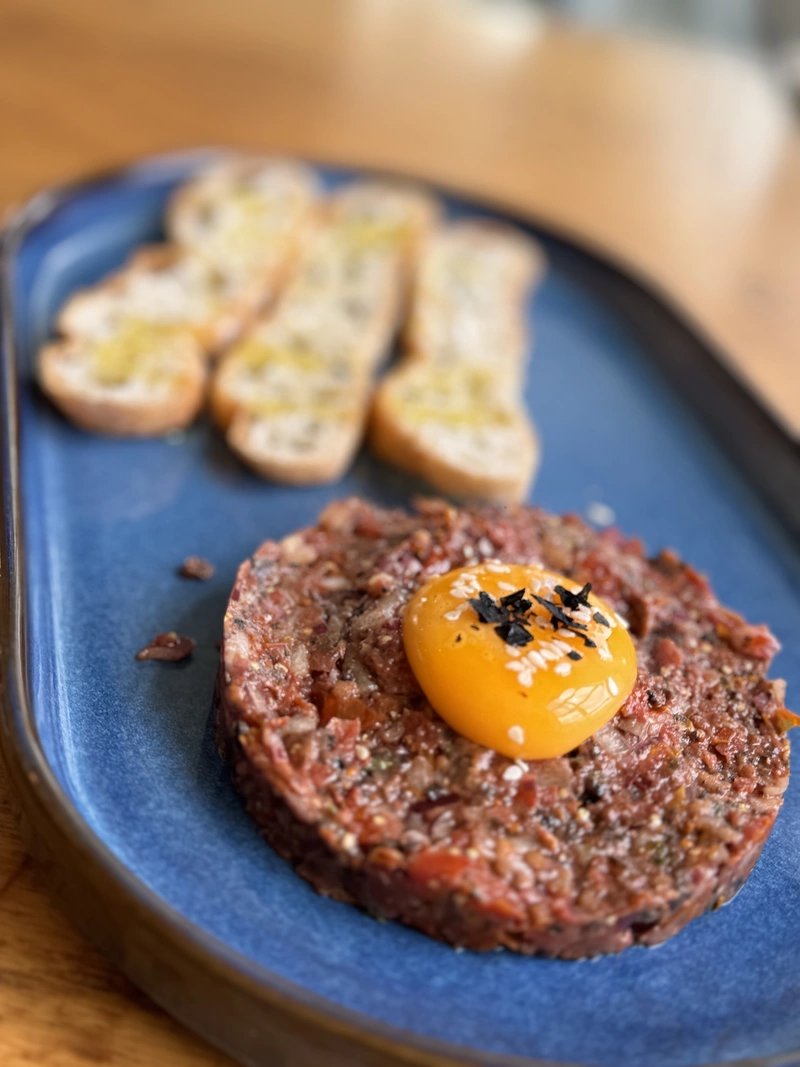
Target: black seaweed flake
x,y
514,633
487,609
517,602
510,613
558,615
573,601
601,619
458,638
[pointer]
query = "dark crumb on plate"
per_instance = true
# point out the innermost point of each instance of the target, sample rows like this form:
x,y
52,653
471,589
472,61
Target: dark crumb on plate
x,y
170,646
198,568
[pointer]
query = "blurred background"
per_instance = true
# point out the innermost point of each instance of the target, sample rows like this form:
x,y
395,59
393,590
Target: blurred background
x,y
663,132
744,23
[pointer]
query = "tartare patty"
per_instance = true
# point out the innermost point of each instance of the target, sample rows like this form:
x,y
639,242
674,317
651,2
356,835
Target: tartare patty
x,y
355,779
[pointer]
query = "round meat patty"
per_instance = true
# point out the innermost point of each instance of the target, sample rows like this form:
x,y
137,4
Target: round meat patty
x,y
355,779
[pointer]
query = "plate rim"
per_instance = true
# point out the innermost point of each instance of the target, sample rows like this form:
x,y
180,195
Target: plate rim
x,y
185,969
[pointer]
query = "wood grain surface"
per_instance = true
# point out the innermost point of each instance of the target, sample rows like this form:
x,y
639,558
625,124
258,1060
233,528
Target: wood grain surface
x,y
684,164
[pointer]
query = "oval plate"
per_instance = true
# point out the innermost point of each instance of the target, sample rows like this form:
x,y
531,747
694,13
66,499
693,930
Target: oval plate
x,y
123,793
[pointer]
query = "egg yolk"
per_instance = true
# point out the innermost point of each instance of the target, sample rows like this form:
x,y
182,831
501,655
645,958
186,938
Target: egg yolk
x,y
517,658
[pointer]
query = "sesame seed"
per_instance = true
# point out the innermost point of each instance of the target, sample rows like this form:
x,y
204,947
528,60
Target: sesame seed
x,y
563,668
512,773
507,587
517,734
362,752
349,841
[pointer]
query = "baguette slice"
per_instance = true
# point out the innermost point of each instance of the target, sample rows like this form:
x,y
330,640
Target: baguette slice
x,y
378,215
270,371
142,381
248,215
293,395
459,428
166,286
350,288
309,442
468,300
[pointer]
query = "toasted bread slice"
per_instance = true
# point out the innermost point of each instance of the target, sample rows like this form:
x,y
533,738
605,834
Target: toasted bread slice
x,y
458,427
451,412
468,298
167,286
269,370
305,371
377,215
248,215
142,380
310,441
292,414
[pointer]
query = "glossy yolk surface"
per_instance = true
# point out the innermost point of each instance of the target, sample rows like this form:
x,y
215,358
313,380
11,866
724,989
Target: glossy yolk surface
x,y
536,699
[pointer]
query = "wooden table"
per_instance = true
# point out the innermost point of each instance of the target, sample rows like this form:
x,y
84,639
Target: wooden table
x,y
684,164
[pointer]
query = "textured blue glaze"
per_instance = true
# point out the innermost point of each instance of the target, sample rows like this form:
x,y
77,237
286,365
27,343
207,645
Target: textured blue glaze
x,y
108,522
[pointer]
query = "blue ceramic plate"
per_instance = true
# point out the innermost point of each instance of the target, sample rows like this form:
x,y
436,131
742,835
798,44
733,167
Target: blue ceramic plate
x,y
115,759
